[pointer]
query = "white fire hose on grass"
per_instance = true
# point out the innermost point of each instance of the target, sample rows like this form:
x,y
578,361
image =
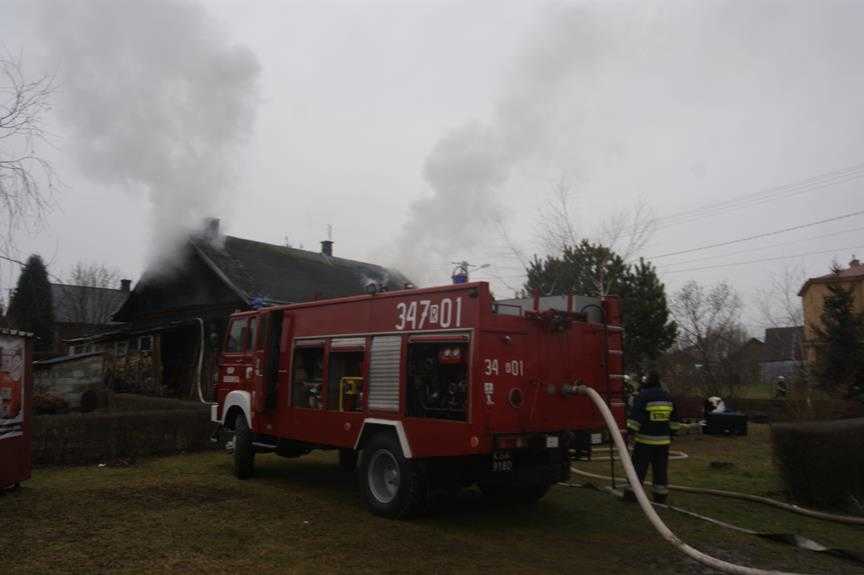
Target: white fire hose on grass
x,y
847,519
646,506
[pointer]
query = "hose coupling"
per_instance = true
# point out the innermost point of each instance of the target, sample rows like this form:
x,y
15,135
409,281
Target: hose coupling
x,y
573,389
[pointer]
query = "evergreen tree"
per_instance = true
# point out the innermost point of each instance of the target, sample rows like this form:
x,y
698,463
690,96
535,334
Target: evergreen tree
x,y
584,269
31,307
594,270
648,328
840,354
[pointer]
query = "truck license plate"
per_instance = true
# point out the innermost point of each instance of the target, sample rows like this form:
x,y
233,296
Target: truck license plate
x,y
551,441
502,462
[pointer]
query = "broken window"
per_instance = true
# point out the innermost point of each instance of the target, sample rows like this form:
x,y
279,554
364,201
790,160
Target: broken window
x,y
145,343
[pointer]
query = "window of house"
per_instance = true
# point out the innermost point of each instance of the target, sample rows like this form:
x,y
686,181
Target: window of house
x,y
438,380
88,348
145,343
121,348
345,380
307,377
234,343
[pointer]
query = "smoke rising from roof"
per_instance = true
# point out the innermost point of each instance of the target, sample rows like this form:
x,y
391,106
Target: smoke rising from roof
x,y
157,102
467,165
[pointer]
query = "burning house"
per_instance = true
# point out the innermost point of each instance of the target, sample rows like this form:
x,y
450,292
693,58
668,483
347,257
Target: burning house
x,y
173,321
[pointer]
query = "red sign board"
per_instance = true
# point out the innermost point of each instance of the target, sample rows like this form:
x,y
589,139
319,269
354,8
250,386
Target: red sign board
x,y
16,392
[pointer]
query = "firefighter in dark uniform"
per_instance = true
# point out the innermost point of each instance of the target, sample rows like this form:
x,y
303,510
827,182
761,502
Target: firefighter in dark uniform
x,y
651,424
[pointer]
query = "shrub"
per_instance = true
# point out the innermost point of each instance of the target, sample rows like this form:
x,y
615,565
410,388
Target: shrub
x,y
77,438
822,462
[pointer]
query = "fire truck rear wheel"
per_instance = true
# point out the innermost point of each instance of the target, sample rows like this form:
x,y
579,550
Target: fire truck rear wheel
x,y
392,486
244,451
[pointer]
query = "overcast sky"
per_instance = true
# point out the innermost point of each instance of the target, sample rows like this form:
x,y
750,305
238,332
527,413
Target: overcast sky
x,y
421,130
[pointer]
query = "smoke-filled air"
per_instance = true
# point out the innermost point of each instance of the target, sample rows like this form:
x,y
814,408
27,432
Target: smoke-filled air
x,y
466,167
156,101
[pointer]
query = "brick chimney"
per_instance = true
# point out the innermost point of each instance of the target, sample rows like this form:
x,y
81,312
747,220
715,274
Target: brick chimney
x,y
125,285
327,247
211,228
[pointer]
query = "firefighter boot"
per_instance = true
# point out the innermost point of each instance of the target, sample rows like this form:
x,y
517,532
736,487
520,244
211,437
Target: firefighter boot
x,y
661,493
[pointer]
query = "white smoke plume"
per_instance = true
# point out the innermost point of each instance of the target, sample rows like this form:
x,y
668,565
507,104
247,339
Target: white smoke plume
x,y
157,100
466,168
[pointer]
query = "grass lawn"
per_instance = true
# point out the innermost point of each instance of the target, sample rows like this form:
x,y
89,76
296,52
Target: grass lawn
x,y
187,513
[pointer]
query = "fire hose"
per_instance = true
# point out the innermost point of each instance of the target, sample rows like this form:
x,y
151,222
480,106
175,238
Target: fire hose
x,y
642,499
848,519
200,362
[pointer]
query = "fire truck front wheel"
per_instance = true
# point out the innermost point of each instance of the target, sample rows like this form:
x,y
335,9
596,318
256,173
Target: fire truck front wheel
x,y
244,451
392,485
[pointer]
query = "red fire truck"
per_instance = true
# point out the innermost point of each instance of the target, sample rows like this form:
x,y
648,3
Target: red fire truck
x,y
422,390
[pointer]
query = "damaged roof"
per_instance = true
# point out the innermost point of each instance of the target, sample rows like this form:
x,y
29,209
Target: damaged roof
x,y
279,274
250,271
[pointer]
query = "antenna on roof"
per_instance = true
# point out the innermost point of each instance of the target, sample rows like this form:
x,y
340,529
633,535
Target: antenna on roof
x,y
330,232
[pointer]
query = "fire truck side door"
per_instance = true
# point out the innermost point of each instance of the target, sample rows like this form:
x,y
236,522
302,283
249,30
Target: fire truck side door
x,y
266,355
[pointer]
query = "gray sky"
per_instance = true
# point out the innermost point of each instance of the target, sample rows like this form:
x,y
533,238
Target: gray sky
x,y
360,107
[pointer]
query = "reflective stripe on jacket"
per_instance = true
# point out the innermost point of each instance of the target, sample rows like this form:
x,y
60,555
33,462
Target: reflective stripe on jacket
x,y
652,417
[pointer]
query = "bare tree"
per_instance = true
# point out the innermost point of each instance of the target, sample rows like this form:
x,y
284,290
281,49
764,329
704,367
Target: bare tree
x,y
778,302
91,297
625,232
557,227
26,177
711,337
628,230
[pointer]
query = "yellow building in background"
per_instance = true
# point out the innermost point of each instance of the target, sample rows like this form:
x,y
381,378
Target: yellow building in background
x,y
813,294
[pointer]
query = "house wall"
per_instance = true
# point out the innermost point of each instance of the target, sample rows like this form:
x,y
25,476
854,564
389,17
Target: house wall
x,y
812,302
168,303
166,367
135,365
70,379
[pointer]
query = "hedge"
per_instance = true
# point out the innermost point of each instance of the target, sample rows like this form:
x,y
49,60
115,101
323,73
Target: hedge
x,y
822,462
80,438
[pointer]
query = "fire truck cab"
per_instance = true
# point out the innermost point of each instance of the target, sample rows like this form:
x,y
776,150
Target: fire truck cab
x,y
422,390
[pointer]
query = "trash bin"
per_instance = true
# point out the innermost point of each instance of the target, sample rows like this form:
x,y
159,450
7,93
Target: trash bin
x,y
16,399
726,423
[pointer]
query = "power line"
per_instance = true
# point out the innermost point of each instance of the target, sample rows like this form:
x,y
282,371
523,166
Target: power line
x,y
819,181
778,258
757,236
778,245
